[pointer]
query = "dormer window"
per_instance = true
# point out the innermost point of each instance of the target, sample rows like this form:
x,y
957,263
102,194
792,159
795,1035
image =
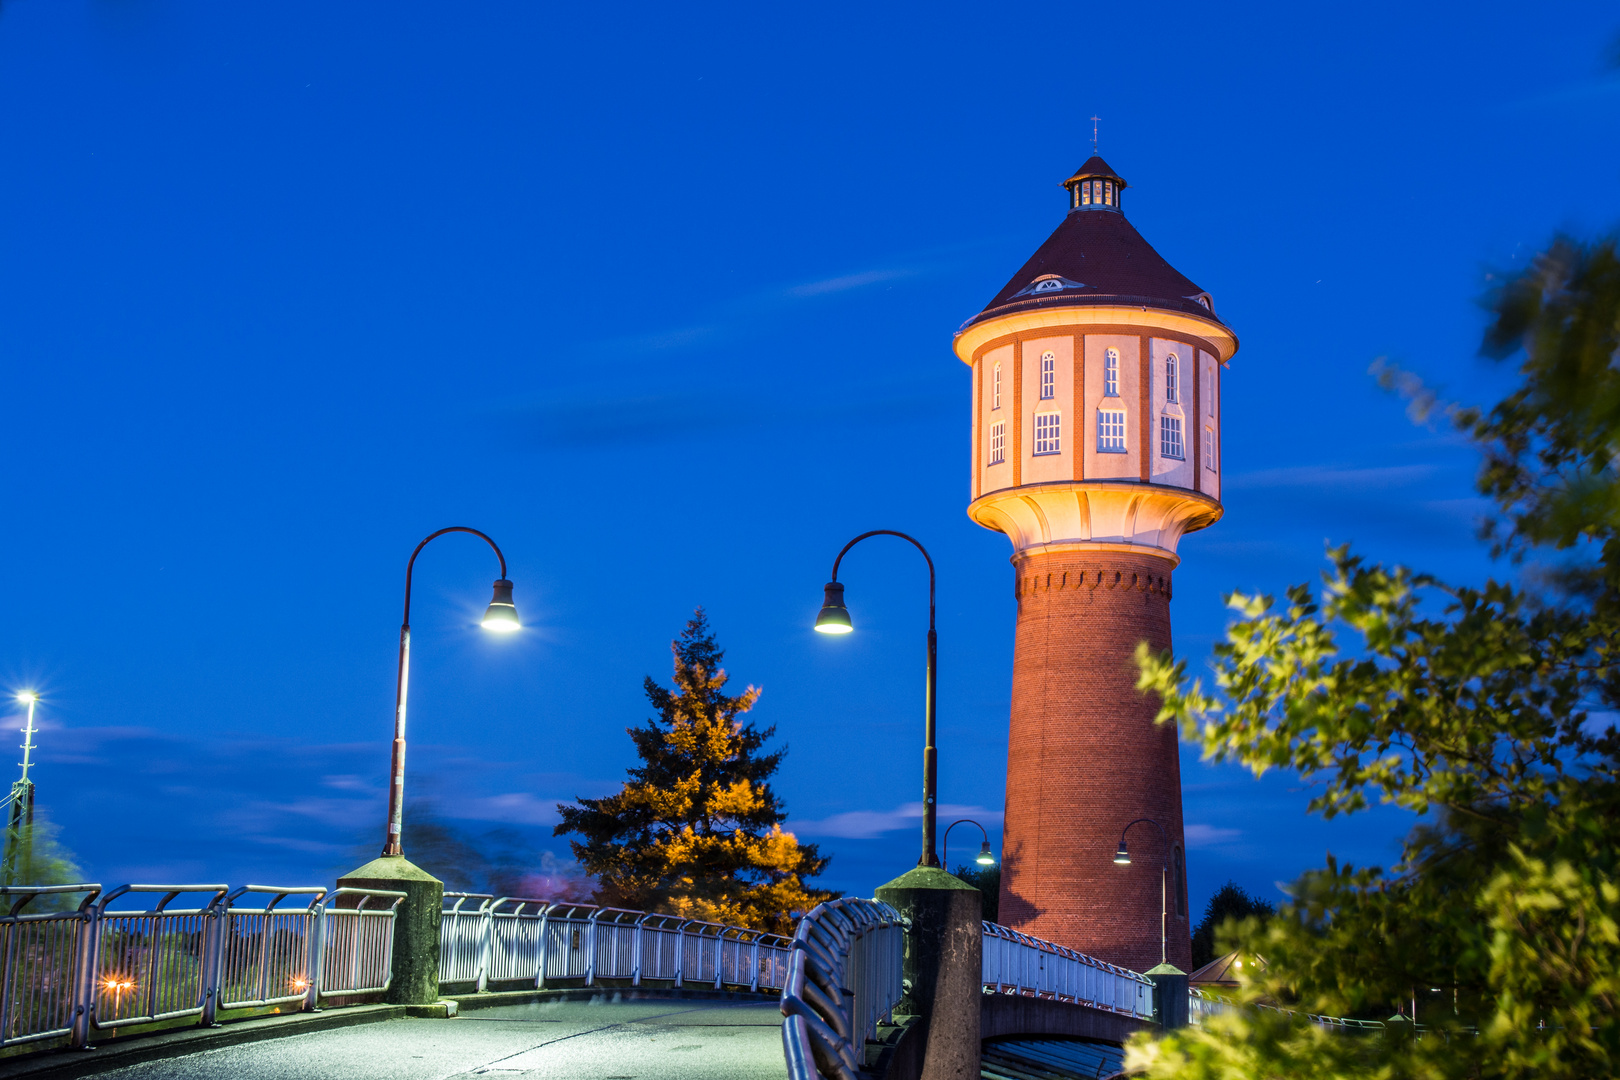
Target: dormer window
x,y
1048,375
1111,373
1170,365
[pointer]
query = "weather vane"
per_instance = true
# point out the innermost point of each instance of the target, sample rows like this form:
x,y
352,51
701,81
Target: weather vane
x,y
1094,120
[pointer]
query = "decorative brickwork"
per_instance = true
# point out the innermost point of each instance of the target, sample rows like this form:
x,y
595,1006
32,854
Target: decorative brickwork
x,y
1085,757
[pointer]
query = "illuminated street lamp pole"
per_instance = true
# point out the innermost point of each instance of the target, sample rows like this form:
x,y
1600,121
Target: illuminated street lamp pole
x,y
1122,857
985,857
500,617
834,619
22,796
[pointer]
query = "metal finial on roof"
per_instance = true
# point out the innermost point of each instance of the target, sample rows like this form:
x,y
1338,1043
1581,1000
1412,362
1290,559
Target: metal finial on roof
x,y
1094,120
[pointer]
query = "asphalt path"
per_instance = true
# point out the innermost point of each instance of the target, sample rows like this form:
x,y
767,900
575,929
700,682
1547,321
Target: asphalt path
x,y
557,1040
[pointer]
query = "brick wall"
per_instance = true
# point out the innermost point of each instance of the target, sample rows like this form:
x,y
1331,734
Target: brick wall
x,y
1085,757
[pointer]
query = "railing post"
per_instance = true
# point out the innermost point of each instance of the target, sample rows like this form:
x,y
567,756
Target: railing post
x,y
719,958
542,948
314,946
88,950
590,948
486,941
635,952
753,982
680,955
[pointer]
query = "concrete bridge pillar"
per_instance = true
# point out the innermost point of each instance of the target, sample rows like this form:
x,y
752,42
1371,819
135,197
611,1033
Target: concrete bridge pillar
x,y
943,967
416,926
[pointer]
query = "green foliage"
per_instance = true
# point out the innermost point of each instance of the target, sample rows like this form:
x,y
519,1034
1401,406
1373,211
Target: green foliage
x,y
1230,902
987,879
35,856
1497,929
697,829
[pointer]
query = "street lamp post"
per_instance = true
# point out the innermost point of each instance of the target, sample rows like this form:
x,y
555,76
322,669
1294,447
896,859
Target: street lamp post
x,y
985,857
22,801
834,619
1122,857
500,617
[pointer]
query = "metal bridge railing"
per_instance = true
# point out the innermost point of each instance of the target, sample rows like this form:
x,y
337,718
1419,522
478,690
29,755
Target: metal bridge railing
x,y
96,967
1016,963
1204,1004
486,939
843,978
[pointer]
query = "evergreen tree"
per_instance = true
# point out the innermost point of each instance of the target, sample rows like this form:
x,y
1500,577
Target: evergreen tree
x,y
697,831
1230,903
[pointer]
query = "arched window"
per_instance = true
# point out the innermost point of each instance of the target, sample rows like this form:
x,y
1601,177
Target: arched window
x,y
1171,363
1111,373
1179,869
995,386
1048,375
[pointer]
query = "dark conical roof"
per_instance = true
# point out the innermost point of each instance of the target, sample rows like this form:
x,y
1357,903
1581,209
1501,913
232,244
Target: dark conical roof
x,y
1097,257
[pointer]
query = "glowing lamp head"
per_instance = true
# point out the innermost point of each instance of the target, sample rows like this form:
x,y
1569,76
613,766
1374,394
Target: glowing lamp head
x,y
985,858
834,616
1122,857
27,697
501,616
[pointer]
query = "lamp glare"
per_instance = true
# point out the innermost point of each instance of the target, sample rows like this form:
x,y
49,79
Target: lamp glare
x,y
501,616
27,697
834,616
1122,857
985,858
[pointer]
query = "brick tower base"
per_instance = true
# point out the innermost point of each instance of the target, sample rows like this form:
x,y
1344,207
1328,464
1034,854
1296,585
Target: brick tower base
x,y
1085,758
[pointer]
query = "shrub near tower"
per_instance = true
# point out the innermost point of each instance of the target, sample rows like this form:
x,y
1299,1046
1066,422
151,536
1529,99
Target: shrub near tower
x,y
1096,446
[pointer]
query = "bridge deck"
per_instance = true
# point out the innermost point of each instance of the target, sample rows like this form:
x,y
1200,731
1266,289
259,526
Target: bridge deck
x,y
556,1040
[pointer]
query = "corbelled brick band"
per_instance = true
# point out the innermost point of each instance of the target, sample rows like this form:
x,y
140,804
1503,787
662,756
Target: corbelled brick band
x,y
1085,758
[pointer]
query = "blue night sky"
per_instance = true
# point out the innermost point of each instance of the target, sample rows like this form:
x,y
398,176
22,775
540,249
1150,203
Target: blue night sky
x,y
662,297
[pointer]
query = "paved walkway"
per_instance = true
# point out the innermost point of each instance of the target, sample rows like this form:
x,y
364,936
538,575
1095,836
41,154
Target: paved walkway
x,y
558,1040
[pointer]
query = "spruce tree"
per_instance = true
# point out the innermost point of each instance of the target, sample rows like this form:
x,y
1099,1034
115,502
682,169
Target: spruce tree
x,y
696,830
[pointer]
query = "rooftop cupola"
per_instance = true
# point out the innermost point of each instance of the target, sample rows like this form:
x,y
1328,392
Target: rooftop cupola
x,y
1094,187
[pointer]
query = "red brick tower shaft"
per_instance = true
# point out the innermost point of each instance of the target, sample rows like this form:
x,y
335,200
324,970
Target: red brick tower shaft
x,y
1085,759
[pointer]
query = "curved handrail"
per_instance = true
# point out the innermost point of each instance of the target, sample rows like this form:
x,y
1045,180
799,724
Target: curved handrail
x,y
825,1023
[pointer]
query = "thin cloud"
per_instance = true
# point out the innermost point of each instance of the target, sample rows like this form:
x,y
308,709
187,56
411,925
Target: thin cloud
x,y
1203,836
512,808
847,282
867,824
1327,476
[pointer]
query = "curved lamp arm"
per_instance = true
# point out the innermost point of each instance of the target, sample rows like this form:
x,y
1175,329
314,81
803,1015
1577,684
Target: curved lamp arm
x,y
903,536
1162,835
411,566
945,841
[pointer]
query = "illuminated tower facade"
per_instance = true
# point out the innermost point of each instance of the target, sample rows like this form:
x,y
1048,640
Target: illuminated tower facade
x,y
1096,446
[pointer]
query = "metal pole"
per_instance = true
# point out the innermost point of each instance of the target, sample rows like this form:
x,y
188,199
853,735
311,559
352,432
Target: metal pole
x,y
929,856
396,786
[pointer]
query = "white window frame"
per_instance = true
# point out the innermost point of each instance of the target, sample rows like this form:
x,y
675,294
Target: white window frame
x,y
1209,449
998,443
1048,375
1174,449
1111,432
995,386
1209,391
1172,368
1048,433
1111,373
